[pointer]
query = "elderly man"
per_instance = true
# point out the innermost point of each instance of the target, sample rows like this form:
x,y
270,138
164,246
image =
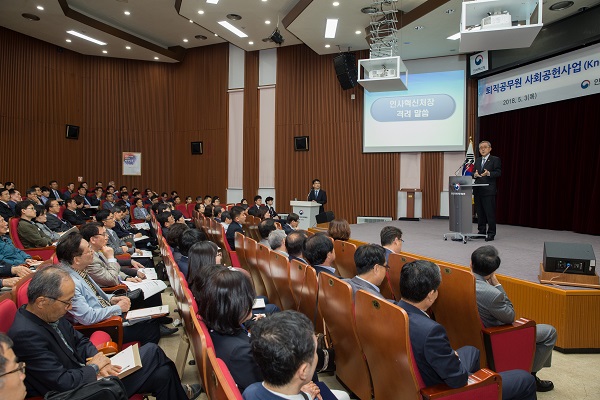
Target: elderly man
x,y
53,221
277,242
435,358
90,304
60,358
12,373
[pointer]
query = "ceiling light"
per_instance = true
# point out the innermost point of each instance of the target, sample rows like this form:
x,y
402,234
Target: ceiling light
x,y
561,5
330,28
357,32
31,17
336,3
456,36
232,28
216,34
212,1
156,58
68,40
419,27
200,37
40,8
200,12
234,17
104,51
267,22
126,13
81,35
128,47
369,10
185,40
252,42
327,46
191,22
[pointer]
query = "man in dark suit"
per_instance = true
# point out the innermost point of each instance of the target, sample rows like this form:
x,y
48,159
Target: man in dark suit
x,y
436,360
370,269
318,251
5,211
291,223
53,221
238,216
54,193
269,200
256,206
391,240
60,358
67,194
487,170
294,244
73,213
317,195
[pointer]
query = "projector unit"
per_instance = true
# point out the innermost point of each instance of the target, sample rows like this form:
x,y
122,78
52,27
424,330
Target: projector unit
x,y
390,72
496,21
569,258
377,73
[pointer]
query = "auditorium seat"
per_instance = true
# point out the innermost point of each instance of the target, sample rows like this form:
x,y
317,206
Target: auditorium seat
x,y
198,344
8,309
184,210
344,258
43,253
396,262
220,382
510,347
131,216
383,333
309,294
240,252
250,247
263,264
297,275
337,308
230,257
280,273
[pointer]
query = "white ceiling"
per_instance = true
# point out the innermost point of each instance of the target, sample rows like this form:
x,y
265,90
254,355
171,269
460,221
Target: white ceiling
x,y
157,28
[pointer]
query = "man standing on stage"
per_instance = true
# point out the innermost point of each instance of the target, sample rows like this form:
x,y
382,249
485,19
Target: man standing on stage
x,y
487,170
317,195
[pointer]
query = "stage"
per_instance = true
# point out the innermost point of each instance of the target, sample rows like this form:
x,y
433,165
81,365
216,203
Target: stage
x,y
575,312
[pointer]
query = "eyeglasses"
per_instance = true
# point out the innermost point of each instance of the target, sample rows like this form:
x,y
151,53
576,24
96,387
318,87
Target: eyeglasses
x,y
66,303
20,368
105,234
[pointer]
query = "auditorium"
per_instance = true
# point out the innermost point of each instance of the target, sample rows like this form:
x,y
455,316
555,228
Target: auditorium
x,y
148,145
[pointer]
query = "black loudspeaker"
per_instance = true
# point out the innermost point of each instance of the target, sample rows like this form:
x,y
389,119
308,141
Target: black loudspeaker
x,y
569,258
346,70
72,132
325,217
301,143
197,148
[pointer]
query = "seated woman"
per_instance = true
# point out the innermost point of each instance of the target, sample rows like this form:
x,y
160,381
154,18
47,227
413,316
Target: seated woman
x,y
263,213
40,222
339,229
29,233
140,212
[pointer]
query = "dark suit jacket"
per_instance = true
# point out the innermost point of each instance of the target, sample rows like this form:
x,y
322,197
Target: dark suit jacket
x,y
75,218
433,354
66,194
494,166
287,228
53,195
50,363
321,198
254,210
231,230
94,200
57,225
236,353
5,211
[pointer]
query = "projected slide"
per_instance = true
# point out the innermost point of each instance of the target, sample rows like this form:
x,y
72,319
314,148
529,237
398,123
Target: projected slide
x,y
429,116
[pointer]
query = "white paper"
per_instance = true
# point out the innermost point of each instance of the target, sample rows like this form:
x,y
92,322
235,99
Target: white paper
x,y
258,303
143,313
149,272
145,253
128,360
149,287
143,237
142,225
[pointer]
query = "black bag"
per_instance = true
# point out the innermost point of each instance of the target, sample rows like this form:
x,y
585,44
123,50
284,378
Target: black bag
x,y
136,296
109,388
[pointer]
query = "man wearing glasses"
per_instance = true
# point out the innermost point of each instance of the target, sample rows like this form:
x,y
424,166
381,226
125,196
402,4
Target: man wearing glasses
x,y
391,240
487,170
12,373
371,268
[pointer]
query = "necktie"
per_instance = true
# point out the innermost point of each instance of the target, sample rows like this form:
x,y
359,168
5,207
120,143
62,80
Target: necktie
x,y
89,282
316,193
54,326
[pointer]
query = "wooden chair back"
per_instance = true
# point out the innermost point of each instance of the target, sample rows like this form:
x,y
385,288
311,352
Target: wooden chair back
x,y
308,299
240,251
250,248
263,263
198,344
337,308
297,275
396,262
344,258
280,273
219,380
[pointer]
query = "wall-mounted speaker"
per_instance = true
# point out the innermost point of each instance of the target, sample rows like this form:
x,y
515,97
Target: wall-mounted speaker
x,y
301,143
72,132
197,148
325,217
346,69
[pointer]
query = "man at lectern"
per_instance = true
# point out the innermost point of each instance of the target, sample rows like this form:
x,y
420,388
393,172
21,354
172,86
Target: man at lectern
x,y
317,195
487,170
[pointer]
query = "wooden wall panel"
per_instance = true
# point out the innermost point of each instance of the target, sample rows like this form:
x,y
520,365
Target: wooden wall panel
x,y
120,105
432,169
311,102
251,126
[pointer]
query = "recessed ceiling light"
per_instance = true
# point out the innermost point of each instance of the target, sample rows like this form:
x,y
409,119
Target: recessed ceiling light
x,y
327,46
200,37
264,1
369,10
128,47
267,22
156,58
419,27
126,13
31,17
234,17
81,35
456,36
191,22
252,42
216,34
357,32
330,28
232,28
200,12
185,40
561,5
68,40
40,8
336,3
104,51
212,1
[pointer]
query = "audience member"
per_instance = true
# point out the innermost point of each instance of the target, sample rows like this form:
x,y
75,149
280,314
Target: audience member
x,y
272,212
173,237
238,216
67,194
202,256
9,254
264,228
15,197
256,206
436,360
32,195
54,193
45,194
30,234
12,373
109,202
294,244
292,222
496,309
339,229
226,219
140,212
40,221
166,220
217,212
318,251
371,269
391,240
73,213
276,241
5,210
53,221
189,238
96,199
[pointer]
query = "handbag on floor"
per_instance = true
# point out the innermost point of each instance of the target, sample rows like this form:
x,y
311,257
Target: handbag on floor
x,y
109,388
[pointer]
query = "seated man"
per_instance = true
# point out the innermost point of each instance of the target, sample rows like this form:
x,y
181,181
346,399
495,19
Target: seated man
x,y
45,194
391,240
73,214
123,228
109,203
54,193
15,197
12,373
269,201
9,254
32,195
291,223
96,198
496,309
370,270
436,360
53,221
31,236
166,220
318,251
83,198
40,221
285,348
6,211
90,304
264,228
256,206
10,273
60,358
277,242
294,244
67,194
225,220
238,217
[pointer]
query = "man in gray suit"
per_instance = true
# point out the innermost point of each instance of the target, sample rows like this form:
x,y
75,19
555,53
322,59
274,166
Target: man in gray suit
x,y
496,309
370,269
